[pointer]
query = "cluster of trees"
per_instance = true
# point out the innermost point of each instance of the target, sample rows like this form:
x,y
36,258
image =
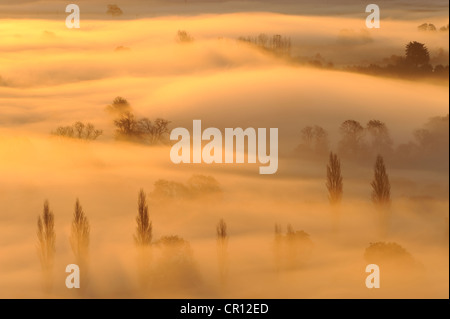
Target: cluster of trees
x,y
415,63
278,44
356,140
114,10
127,126
196,186
429,145
317,61
385,254
141,130
183,37
431,27
292,249
79,130
315,139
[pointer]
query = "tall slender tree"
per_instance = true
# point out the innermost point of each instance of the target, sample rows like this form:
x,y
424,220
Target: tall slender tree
x,y
381,194
79,238
381,187
334,183
46,243
143,236
222,249
143,239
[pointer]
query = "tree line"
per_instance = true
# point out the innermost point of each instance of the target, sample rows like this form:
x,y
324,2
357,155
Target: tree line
x,y
429,146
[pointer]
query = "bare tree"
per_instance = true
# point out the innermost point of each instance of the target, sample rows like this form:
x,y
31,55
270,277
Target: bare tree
x,y
46,242
222,247
142,130
126,126
153,132
334,183
79,130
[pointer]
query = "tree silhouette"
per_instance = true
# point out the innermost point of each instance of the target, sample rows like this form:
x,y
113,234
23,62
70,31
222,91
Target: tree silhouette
x,y
388,253
79,240
381,194
278,246
352,141
143,236
321,139
119,106
175,267
381,139
307,135
46,242
277,44
184,37
143,239
314,138
153,132
222,245
417,54
79,130
293,249
381,188
334,180
126,125
427,27
80,231
434,136
114,10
